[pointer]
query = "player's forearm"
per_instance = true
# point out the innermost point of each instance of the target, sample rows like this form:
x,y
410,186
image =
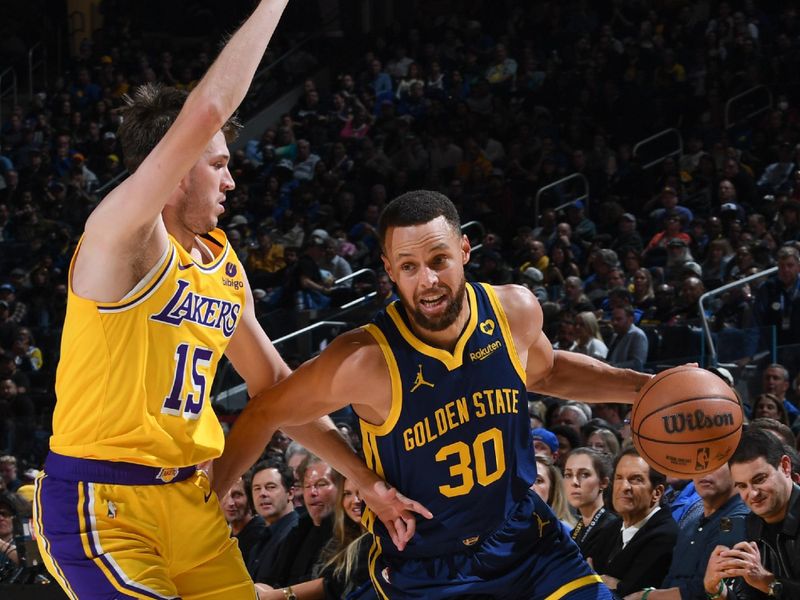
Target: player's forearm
x,y
323,439
246,441
228,79
579,377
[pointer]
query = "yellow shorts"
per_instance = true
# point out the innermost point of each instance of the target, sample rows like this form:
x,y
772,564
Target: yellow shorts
x,y
106,540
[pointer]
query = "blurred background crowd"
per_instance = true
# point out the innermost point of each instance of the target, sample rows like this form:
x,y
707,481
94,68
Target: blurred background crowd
x,y
620,158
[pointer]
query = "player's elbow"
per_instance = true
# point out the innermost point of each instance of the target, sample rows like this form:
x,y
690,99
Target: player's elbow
x,y
206,111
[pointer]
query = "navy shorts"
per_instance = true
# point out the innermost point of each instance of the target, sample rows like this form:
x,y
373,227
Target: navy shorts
x,y
529,557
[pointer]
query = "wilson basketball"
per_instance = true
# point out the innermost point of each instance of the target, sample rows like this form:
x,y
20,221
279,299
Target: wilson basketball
x,y
686,422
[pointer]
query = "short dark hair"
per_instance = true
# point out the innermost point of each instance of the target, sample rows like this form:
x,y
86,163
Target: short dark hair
x,y
284,470
415,208
757,443
776,427
147,117
656,477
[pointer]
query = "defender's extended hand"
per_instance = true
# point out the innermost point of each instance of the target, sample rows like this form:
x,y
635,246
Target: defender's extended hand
x,y
395,511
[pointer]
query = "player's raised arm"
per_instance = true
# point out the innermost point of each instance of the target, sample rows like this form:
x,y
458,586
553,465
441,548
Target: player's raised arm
x,y
125,233
558,373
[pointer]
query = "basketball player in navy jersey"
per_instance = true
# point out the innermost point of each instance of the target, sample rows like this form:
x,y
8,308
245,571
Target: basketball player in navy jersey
x,y
439,383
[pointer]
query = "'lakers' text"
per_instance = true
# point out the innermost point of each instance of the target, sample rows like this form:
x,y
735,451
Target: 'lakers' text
x,y
455,413
205,311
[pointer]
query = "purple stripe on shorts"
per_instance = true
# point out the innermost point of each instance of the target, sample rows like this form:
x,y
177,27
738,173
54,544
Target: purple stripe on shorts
x,y
61,530
110,564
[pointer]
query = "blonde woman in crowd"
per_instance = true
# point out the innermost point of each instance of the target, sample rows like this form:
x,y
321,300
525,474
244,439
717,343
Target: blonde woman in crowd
x,y
550,486
604,440
590,341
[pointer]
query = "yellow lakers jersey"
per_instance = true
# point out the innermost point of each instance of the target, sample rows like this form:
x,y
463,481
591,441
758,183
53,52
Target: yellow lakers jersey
x,y
134,378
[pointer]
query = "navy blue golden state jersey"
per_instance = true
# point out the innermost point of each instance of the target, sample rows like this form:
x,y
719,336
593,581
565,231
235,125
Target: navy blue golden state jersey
x,y
458,435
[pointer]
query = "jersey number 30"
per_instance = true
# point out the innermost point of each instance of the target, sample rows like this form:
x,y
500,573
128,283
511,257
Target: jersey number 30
x,y
193,402
463,468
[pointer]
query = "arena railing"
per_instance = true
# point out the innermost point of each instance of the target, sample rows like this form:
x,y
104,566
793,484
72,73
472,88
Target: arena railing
x,y
35,64
235,397
753,102
660,154
8,75
481,233
584,197
709,338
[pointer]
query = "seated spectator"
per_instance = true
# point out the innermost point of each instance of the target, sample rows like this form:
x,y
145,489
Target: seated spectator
x,y
246,526
769,406
8,473
639,554
303,546
669,205
545,443
775,380
565,338
589,340
699,535
603,440
672,231
549,485
644,296
9,507
587,474
271,491
629,346
574,299
767,564
776,178
343,566
532,279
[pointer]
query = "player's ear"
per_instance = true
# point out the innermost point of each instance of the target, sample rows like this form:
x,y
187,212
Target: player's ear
x,y
387,266
466,249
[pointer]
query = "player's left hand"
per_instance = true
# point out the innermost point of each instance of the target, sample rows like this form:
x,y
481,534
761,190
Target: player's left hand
x,y
395,511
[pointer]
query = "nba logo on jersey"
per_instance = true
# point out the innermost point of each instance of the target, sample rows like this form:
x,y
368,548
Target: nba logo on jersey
x,y
167,474
230,269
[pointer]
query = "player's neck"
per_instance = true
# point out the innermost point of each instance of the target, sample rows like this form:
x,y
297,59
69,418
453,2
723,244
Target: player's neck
x,y
446,339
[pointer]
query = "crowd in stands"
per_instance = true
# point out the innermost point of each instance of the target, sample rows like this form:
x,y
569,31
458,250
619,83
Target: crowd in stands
x,y
488,106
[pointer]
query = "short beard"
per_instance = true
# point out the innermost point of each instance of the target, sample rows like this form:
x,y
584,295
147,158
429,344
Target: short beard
x,y
448,318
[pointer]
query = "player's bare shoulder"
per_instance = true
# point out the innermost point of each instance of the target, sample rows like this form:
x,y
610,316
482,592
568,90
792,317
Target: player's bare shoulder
x,y
355,370
523,312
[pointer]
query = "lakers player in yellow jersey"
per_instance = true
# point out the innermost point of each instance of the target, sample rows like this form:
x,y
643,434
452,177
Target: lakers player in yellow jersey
x,y
156,296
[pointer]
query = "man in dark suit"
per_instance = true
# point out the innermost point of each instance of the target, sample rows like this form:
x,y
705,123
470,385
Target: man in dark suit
x,y
638,554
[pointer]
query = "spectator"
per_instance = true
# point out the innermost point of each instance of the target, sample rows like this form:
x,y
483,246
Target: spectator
x,y
629,346
778,298
776,178
545,443
775,380
9,503
769,406
638,555
271,491
301,549
549,485
699,535
8,473
603,440
589,340
246,526
768,563
587,474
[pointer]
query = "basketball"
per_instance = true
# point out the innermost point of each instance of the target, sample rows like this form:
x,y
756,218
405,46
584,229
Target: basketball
x,y
686,422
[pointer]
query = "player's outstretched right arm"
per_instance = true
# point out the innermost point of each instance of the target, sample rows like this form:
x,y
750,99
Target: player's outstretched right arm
x,y
125,233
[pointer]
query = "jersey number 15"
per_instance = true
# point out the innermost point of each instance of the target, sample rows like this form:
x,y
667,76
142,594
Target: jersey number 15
x,y
193,402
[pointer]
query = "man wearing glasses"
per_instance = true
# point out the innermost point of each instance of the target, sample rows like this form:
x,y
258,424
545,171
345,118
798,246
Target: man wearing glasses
x,y
302,547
